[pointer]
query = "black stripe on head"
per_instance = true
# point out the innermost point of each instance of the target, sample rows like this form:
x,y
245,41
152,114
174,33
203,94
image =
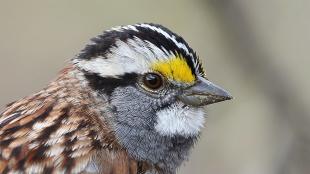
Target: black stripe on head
x,y
191,51
103,43
101,46
162,42
108,84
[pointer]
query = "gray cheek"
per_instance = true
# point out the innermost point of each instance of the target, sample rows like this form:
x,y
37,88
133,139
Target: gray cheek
x,y
134,108
134,120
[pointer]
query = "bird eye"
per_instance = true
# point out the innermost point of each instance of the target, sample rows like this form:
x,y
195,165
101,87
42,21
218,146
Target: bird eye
x,y
153,81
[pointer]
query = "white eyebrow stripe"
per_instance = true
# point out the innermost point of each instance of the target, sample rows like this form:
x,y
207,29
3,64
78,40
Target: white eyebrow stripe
x,y
159,50
125,57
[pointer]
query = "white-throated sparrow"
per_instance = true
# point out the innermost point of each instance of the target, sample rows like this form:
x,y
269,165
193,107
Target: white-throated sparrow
x,y
130,103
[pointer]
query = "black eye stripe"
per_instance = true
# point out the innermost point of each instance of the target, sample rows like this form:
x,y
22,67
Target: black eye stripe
x,y
108,84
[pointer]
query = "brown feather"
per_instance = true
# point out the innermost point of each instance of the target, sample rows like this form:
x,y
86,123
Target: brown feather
x,y
56,130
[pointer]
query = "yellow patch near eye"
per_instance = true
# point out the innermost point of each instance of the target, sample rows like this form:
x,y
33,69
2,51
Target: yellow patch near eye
x,y
176,69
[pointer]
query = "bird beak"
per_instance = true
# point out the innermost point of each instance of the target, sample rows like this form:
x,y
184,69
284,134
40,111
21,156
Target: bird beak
x,y
203,93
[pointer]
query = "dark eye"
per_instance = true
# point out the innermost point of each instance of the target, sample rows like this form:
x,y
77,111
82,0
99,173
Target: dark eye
x,y
153,81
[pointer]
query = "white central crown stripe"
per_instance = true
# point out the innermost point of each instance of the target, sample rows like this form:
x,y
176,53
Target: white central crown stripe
x,y
172,38
134,54
159,30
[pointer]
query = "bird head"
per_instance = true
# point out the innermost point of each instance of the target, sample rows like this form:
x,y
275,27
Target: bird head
x,y
153,81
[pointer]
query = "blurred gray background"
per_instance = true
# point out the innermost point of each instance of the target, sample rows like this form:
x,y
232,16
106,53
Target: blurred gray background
x,y
257,49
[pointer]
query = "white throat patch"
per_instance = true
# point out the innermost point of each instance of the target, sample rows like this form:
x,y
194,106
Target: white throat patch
x,y
176,120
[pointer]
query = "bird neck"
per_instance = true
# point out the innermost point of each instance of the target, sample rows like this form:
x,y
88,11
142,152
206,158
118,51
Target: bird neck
x,y
166,153
158,152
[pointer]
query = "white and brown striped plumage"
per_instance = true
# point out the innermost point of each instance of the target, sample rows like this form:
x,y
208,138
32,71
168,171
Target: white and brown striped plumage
x,y
98,116
54,130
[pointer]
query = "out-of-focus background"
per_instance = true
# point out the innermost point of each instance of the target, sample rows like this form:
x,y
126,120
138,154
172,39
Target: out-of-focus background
x,y
257,49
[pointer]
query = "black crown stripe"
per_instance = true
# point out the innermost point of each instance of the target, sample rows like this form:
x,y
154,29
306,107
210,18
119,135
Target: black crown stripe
x,y
102,43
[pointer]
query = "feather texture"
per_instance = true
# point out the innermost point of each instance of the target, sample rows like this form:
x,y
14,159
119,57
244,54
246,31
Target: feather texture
x,y
55,131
